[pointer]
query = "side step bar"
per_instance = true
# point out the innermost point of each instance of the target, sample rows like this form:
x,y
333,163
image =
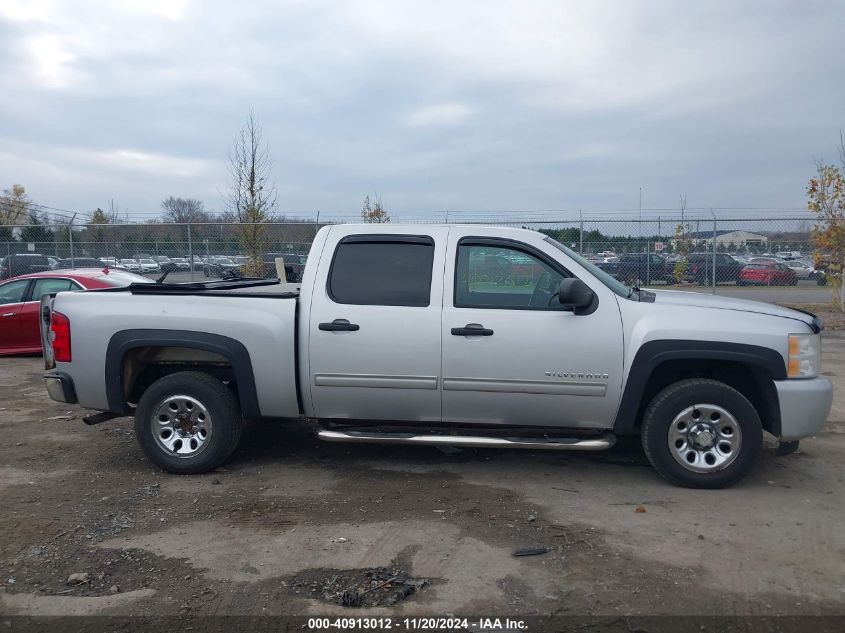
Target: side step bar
x,y
548,443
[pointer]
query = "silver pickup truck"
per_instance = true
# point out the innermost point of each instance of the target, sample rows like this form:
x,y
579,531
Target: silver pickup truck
x,y
454,335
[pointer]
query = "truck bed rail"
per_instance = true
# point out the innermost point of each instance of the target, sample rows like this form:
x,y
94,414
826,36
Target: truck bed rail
x,y
215,288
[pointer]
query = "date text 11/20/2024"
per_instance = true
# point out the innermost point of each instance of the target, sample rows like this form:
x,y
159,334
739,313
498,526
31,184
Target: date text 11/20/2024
x,y
418,624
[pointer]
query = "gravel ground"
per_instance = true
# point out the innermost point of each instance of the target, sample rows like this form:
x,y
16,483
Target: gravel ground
x,y
294,526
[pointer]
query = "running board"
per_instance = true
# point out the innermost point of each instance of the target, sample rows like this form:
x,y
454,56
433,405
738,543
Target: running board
x,y
548,443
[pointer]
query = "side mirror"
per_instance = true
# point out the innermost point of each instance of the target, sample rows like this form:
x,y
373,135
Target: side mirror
x,y
574,293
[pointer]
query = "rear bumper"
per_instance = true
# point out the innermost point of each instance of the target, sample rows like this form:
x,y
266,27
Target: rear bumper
x,y
804,406
60,387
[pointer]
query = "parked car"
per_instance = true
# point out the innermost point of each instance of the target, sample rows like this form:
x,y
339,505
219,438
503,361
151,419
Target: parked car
x,y
148,266
22,264
218,266
82,262
20,299
767,274
165,264
181,263
112,262
131,265
806,270
700,268
294,265
802,270
393,338
54,262
644,268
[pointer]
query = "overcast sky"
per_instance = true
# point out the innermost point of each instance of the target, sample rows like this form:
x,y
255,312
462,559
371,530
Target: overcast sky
x,y
471,106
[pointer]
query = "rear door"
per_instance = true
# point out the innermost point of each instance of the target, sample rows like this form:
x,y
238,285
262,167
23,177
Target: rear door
x,y
12,295
28,316
374,325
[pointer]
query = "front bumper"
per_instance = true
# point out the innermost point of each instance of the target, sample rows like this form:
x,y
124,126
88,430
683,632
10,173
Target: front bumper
x,y
804,406
60,387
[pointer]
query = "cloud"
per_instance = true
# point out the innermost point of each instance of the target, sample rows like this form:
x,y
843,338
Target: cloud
x,y
440,114
435,104
51,62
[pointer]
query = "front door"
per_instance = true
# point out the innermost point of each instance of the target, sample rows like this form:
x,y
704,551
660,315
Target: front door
x,y
12,294
511,354
374,329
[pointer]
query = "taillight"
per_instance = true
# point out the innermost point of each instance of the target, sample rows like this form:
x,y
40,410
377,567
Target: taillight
x,y
60,328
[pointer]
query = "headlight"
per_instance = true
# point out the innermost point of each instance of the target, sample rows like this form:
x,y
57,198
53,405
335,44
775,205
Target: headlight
x,y
805,355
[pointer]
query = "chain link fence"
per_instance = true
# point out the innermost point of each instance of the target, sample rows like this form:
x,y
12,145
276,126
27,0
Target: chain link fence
x,y
713,254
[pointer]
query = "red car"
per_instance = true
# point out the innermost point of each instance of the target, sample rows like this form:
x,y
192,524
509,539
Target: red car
x,y
767,274
20,301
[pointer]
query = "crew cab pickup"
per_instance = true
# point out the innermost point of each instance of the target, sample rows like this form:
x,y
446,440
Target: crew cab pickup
x,y
455,335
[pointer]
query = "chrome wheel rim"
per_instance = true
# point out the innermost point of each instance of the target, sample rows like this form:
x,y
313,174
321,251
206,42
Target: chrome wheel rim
x,y
704,438
181,426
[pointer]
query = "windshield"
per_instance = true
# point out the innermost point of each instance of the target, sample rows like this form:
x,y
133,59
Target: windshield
x,y
614,284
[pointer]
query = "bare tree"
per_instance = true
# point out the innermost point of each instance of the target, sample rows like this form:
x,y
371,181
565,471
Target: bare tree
x,y
373,212
252,196
183,210
15,206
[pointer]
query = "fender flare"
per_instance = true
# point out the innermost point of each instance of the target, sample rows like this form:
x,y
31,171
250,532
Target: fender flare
x,y
653,353
234,351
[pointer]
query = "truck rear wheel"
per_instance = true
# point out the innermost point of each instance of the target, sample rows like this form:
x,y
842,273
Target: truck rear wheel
x,y
188,422
701,433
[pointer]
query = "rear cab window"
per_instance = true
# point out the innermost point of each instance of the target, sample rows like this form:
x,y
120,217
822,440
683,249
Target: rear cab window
x,y
387,270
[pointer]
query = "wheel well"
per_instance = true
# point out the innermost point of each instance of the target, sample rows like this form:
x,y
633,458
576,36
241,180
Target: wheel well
x,y
753,382
142,366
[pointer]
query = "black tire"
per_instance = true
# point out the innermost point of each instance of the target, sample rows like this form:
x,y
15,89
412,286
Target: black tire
x,y
674,399
821,280
215,397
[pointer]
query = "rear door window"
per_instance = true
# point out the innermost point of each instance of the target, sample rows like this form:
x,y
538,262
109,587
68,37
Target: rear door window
x,y
50,286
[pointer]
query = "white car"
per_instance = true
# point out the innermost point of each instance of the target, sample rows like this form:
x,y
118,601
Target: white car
x,y
802,270
131,265
149,266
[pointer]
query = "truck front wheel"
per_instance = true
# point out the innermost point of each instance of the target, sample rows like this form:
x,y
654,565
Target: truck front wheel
x,y
701,433
188,422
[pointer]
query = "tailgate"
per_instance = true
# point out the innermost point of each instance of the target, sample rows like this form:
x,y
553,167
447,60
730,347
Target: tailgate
x,y
44,327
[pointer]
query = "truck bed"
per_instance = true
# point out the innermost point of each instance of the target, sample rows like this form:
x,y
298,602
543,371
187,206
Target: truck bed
x,y
261,326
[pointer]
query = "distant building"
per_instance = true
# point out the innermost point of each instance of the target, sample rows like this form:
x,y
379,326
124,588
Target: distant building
x,y
740,239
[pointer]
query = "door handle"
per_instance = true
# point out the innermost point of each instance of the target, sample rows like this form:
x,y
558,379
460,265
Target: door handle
x,y
9,314
339,325
472,329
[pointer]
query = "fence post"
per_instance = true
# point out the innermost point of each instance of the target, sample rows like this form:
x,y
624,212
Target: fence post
x,y
581,233
714,251
190,252
70,240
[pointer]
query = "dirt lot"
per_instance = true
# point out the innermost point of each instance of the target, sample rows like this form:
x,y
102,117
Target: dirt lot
x,y
295,526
